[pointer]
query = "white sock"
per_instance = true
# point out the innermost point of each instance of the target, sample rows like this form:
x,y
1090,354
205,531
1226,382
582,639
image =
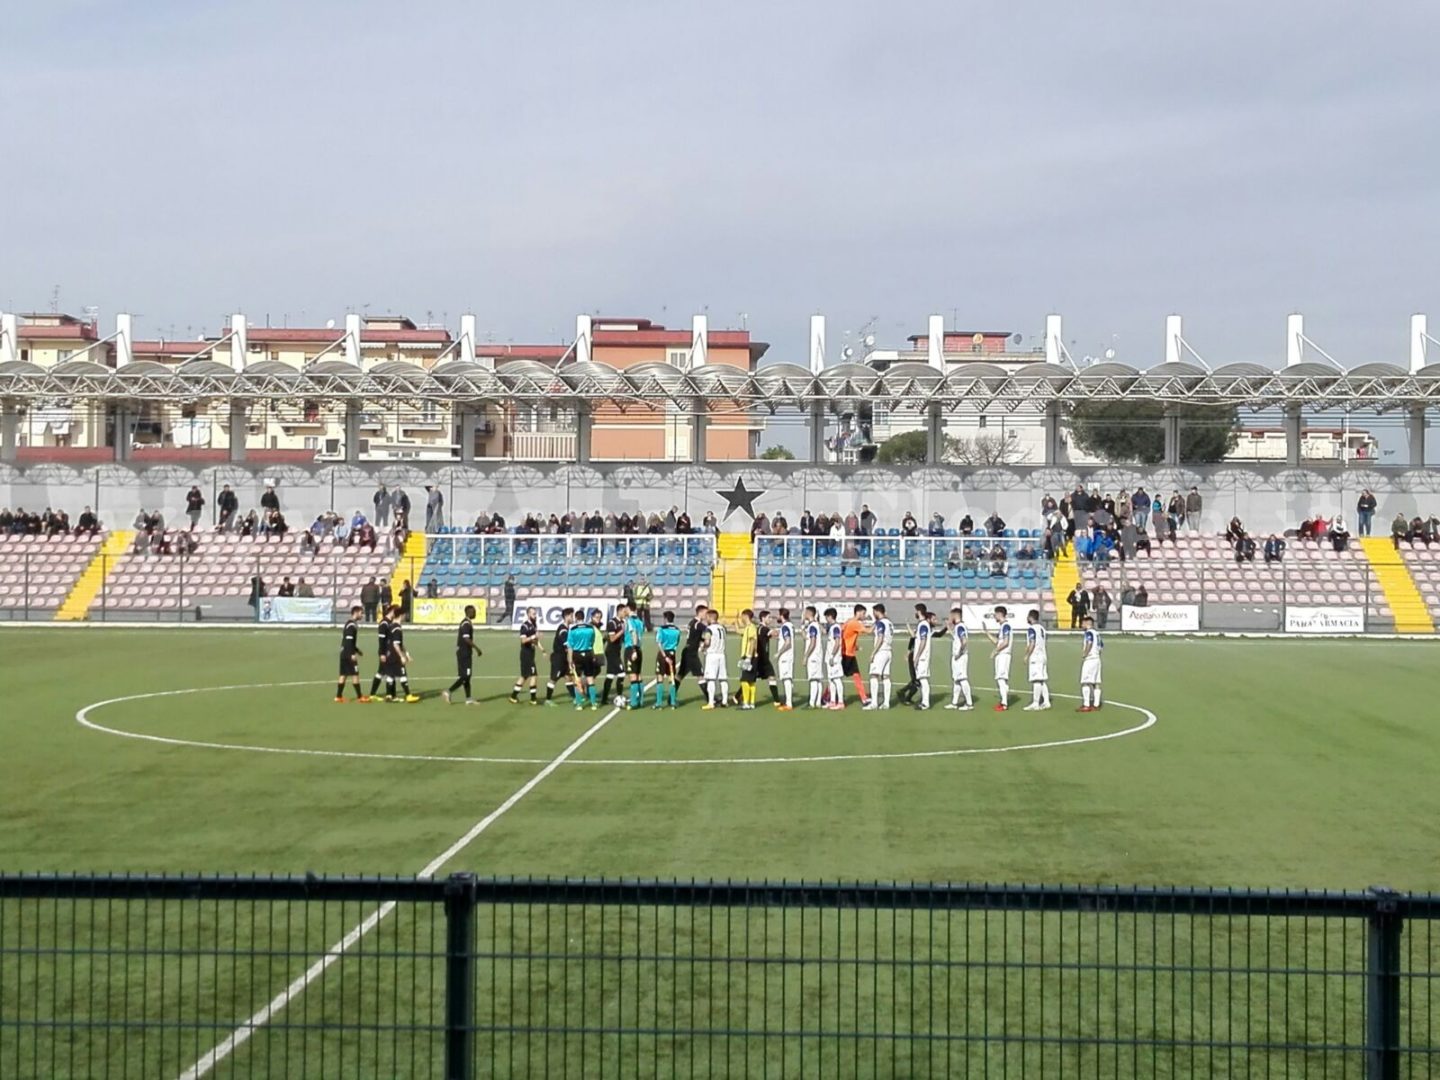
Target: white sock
x,y
955,694
1097,695
837,692
789,692
725,690
816,688
885,685
965,686
1085,695
710,693
925,693
1044,693
1004,685
875,689
1035,693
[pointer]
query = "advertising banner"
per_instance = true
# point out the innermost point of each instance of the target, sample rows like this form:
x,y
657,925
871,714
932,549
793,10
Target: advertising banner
x,y
1160,618
551,605
1324,620
294,609
447,610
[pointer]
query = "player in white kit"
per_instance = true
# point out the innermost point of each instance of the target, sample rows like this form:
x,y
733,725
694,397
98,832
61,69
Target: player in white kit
x,y
717,680
880,659
785,659
814,657
924,633
1002,639
1039,663
959,662
1090,649
834,669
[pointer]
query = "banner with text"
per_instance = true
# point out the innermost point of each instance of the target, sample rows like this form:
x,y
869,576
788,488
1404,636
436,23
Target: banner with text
x,y
1324,620
1160,618
551,606
294,609
447,610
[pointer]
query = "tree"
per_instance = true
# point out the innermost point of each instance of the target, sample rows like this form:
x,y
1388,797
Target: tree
x,y
777,453
906,449
1134,431
910,448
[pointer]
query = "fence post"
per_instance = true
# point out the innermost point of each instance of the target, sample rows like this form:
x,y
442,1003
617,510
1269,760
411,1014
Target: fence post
x,y
1382,987
459,977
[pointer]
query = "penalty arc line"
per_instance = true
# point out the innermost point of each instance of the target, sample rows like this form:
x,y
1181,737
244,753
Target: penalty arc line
x,y
244,1031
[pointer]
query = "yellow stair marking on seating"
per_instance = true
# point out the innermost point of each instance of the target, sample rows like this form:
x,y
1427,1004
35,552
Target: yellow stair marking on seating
x,y
1412,614
92,579
732,582
412,561
1064,576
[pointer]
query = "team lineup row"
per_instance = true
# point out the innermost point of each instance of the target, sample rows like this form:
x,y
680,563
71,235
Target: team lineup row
x,y
586,646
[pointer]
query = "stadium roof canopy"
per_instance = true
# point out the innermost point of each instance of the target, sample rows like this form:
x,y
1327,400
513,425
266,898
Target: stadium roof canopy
x,y
970,386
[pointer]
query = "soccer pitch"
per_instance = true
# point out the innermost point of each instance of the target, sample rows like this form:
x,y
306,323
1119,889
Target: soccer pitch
x,y
1269,763
1253,763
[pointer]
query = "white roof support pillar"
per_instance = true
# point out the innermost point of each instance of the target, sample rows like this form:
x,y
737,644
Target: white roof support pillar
x,y
9,338
583,339
1174,335
1054,339
817,344
352,339
1419,341
699,341
1294,340
935,343
239,342
124,340
467,338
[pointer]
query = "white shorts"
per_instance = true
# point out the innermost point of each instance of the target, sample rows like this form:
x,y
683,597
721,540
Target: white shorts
x,y
714,668
833,668
1090,671
815,668
785,666
922,667
880,664
1039,671
960,668
1002,667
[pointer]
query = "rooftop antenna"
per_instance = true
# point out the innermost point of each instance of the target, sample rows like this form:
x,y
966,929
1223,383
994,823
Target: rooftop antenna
x,y
55,300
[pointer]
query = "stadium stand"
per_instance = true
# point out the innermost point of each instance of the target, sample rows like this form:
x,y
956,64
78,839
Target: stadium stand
x,y
38,572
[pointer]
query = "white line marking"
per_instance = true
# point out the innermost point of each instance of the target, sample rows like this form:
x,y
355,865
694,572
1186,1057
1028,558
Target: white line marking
x,y
245,1030
83,717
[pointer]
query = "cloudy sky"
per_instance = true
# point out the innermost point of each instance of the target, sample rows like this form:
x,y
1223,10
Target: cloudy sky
x,y
991,161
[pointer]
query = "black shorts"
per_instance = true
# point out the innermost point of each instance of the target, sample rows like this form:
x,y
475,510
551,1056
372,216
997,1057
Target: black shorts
x,y
690,663
463,663
559,667
849,665
748,675
614,662
634,660
527,663
763,668
349,663
665,663
392,667
587,665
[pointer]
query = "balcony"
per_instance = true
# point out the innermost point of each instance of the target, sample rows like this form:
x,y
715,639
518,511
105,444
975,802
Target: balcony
x,y
542,445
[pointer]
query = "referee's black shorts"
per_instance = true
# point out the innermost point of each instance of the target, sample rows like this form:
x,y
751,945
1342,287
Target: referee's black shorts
x,y
849,665
634,660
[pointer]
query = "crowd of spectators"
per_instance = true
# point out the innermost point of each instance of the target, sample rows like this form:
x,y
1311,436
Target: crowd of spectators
x,y
22,522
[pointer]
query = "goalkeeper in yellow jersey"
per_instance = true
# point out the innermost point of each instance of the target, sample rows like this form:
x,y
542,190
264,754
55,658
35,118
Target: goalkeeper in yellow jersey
x,y
749,658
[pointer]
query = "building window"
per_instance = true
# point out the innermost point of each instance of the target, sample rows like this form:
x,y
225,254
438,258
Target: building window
x,y
984,420
678,358
312,442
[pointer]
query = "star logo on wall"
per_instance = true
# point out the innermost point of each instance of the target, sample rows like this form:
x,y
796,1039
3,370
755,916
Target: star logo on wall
x,y
738,498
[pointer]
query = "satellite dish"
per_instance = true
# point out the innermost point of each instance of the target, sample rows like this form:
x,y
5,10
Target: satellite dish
x,y
329,324
846,353
869,341
978,339
1109,354
1016,338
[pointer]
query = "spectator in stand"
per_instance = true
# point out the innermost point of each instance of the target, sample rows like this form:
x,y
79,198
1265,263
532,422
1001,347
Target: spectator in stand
x,y
1102,606
250,524
1140,508
342,534
1430,532
1127,597
683,526
303,589
400,534
994,524
1079,601
432,589
672,519
370,599
936,526
1048,505
257,590
509,593
434,508
276,524
967,526
868,520
644,597
194,504
1157,519
381,501
1122,506
1234,531
287,587
1322,527
1274,549
997,560
708,524
1244,548
1339,534
365,537
1365,511
1142,596
1398,530
1175,508
269,501
1142,543
807,524
407,600
1194,509
387,595
88,523
309,543
850,556
1107,503
1129,539
399,503
909,527
228,505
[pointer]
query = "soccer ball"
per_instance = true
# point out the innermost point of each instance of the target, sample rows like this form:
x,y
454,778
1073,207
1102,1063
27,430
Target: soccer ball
x,y
619,701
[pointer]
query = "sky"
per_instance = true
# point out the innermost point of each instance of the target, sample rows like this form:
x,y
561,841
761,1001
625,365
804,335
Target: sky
x,y
1113,162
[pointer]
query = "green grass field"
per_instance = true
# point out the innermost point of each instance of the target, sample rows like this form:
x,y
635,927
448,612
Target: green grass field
x,y
1269,764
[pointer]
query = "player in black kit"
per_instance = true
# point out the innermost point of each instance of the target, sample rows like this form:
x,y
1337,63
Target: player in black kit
x,y
382,656
690,654
465,652
560,658
399,672
350,657
614,639
529,643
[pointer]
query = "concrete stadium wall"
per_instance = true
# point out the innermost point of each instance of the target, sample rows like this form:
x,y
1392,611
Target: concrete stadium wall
x,y
1265,497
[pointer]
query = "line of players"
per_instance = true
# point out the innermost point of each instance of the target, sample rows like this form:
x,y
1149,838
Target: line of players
x,y
585,645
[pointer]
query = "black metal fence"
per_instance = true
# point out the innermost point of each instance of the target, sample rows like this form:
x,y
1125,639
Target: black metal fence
x,y
457,978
